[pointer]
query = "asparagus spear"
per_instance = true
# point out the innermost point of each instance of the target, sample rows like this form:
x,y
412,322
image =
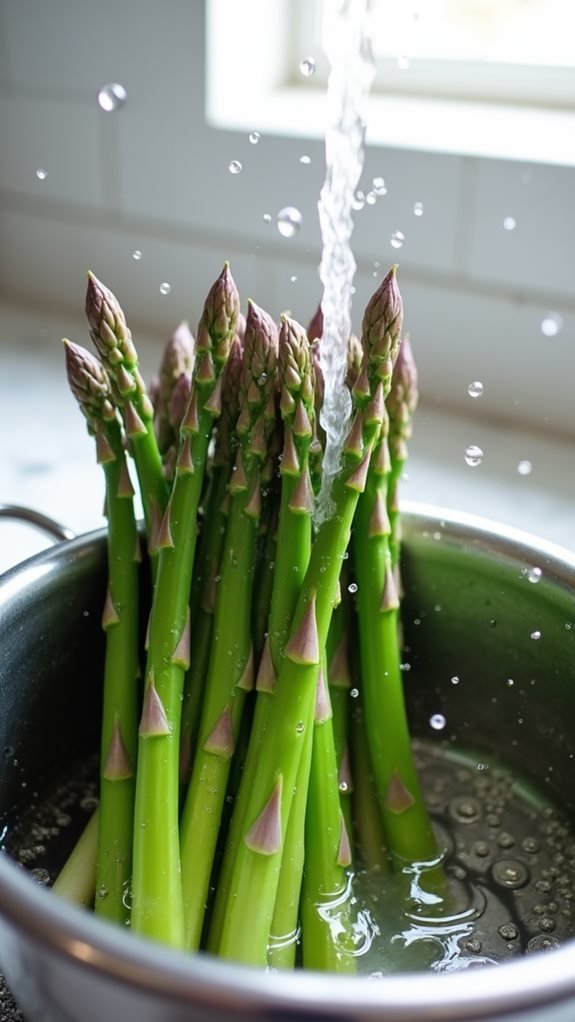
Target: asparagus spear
x,y
91,388
296,383
408,829
401,405
205,585
113,340
250,906
177,361
230,671
157,908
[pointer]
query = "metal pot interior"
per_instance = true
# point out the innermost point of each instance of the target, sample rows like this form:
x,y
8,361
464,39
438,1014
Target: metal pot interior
x,y
472,610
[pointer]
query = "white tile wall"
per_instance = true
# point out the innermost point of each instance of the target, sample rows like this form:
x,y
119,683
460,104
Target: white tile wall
x,y
154,177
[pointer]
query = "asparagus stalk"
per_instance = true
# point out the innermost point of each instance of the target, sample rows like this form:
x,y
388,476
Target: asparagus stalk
x,y
250,906
177,361
401,405
296,383
327,932
157,907
113,340
76,881
205,584
339,681
230,671
90,385
408,830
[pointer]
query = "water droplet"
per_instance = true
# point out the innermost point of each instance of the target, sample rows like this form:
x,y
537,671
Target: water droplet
x,y
371,198
403,63
418,209
534,575
254,137
437,721
267,218
289,221
481,849
354,692
510,873
41,174
293,278
358,201
343,787
397,239
551,324
542,943
510,223
524,468
111,97
475,389
306,160
352,587
507,931
165,288
536,635
510,682
102,893
379,186
465,809
531,845
234,167
307,67
300,726
137,255
473,945
455,680
473,455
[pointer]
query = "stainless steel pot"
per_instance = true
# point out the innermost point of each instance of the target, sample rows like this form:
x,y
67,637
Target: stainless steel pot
x,y
471,606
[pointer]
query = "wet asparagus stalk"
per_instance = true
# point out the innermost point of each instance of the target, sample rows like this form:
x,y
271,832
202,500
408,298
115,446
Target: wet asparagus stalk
x,y
293,546
250,906
401,405
409,834
91,387
113,341
157,906
230,672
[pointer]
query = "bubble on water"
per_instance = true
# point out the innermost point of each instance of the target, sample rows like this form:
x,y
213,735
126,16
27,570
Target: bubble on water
x,y
307,67
254,137
136,255
235,167
418,209
542,943
41,876
165,288
510,873
403,63
437,721
289,221
534,575
111,97
475,389
371,198
358,201
508,931
509,223
535,635
473,945
267,218
306,160
524,468
397,239
473,455
551,324
379,186
41,174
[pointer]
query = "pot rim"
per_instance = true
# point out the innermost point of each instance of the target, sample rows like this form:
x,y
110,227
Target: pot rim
x,y
67,930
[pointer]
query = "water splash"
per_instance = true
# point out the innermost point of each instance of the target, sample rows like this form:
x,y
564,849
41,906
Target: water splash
x,y
347,35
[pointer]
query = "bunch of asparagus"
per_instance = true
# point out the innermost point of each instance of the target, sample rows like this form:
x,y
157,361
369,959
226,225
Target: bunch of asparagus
x,y
240,787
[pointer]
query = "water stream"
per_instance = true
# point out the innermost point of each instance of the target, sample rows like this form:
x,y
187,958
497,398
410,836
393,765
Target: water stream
x,y
347,34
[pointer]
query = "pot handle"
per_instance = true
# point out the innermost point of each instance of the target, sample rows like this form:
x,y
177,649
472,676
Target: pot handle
x,y
37,520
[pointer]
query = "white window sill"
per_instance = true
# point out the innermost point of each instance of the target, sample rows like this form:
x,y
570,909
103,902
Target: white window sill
x,y
465,128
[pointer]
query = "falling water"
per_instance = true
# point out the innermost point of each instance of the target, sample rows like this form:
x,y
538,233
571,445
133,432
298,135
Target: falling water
x,y
347,45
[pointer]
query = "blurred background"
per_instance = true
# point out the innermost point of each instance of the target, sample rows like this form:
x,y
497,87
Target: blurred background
x,y
149,142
